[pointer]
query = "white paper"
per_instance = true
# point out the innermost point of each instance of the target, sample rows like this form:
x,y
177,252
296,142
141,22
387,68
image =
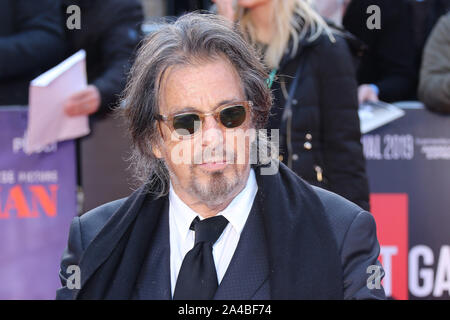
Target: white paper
x,y
47,121
376,114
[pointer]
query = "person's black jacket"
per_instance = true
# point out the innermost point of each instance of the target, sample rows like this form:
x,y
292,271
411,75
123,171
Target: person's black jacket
x,y
31,42
391,60
177,7
324,130
110,33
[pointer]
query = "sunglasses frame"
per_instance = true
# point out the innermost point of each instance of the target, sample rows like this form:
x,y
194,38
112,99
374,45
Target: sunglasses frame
x,y
168,120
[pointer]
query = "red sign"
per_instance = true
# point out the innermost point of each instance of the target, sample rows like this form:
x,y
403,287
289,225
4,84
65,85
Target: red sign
x,y
390,211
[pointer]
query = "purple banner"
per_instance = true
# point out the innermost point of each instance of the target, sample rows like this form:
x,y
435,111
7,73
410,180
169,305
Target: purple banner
x,y
37,204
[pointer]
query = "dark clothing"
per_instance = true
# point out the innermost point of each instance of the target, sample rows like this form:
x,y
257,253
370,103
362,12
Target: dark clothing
x,y
299,242
324,129
179,7
391,62
110,33
31,42
434,88
425,15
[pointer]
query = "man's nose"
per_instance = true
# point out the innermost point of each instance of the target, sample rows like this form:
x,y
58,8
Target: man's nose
x,y
212,132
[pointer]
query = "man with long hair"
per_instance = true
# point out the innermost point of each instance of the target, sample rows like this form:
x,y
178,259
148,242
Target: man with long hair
x,y
208,222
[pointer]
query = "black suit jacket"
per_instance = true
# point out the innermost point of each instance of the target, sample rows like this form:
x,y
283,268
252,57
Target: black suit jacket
x,y
299,242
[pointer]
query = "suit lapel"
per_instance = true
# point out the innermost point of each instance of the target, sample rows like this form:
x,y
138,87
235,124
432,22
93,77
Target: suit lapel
x,y
107,240
114,259
304,261
249,269
154,279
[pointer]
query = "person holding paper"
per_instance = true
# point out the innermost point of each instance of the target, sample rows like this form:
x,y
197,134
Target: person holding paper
x,y
390,70
110,32
31,42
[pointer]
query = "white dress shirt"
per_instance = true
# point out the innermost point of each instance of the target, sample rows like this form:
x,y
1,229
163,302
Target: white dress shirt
x,y
182,238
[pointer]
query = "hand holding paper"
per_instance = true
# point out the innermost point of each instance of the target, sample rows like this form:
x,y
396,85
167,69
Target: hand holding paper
x,y
48,121
84,102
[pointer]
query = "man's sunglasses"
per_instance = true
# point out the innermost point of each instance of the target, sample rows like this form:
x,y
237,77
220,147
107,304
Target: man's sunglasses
x,y
230,115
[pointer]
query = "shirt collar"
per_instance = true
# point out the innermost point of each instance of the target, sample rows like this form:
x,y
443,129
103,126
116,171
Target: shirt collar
x,y
239,208
183,215
236,212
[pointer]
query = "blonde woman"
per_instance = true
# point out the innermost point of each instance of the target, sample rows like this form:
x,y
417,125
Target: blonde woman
x,y
315,90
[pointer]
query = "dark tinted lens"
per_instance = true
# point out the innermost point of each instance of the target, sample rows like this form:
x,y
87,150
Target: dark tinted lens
x,y
232,117
184,124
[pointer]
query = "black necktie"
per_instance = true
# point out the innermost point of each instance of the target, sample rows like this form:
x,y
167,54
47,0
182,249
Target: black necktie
x,y
197,279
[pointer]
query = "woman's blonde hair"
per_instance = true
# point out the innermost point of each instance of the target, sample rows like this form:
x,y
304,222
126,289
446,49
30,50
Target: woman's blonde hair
x,y
294,19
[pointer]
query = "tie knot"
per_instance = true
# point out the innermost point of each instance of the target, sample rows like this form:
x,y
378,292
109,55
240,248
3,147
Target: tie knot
x,y
208,230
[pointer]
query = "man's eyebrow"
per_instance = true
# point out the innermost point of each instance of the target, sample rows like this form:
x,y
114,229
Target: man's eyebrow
x,y
186,109
192,109
221,103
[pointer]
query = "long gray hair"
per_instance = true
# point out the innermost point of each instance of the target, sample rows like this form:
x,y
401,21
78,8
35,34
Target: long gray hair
x,y
192,38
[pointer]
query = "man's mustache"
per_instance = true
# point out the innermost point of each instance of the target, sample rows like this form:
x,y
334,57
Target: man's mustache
x,y
216,155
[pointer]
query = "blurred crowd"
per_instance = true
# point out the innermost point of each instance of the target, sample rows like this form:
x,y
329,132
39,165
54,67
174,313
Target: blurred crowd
x,y
324,57
34,36
393,65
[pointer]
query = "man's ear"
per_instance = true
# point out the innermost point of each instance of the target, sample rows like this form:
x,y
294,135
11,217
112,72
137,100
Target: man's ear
x,y
156,148
157,151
